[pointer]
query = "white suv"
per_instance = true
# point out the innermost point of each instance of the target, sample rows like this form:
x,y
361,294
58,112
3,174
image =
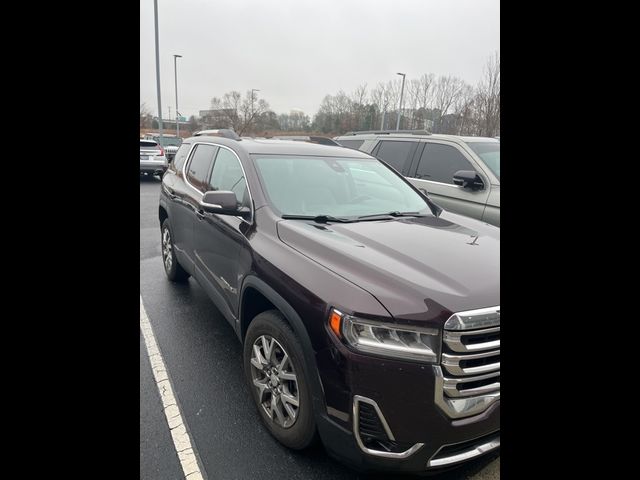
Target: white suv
x,y
461,174
152,158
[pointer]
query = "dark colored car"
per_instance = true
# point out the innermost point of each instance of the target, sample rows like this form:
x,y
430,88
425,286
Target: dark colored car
x,y
369,316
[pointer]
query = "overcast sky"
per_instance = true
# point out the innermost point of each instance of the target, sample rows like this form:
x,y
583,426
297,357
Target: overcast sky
x,y
298,51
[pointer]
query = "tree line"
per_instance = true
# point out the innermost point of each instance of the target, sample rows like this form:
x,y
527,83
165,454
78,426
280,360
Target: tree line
x,y
440,104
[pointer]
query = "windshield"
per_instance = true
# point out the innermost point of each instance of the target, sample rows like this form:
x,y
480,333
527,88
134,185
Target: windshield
x,y
489,152
339,187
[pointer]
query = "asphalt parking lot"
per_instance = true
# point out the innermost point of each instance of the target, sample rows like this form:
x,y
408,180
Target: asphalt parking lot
x,y
203,360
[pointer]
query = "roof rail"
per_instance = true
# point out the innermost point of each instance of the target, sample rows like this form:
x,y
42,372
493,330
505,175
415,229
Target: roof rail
x,y
389,132
308,138
220,132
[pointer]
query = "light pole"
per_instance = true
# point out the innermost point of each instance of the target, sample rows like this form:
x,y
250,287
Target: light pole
x,y
175,71
400,106
155,16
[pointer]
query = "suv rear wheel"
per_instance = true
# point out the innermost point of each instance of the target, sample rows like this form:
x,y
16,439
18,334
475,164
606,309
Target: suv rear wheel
x,y
172,268
275,372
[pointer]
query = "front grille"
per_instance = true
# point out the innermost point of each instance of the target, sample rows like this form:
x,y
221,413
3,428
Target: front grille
x,y
471,361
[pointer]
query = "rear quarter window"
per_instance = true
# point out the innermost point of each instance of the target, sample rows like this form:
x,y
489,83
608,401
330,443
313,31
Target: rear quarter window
x,y
355,144
181,156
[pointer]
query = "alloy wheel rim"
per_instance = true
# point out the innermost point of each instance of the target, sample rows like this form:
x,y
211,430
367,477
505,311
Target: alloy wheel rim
x,y
166,249
275,380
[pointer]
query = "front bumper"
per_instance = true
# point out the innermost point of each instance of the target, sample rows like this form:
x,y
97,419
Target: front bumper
x,y
405,395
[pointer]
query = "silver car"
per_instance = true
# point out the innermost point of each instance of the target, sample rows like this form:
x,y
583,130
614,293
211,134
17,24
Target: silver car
x,y
461,174
170,143
152,158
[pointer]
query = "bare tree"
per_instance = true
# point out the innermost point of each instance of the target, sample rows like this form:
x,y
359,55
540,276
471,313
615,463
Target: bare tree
x,y
424,97
465,111
488,98
252,109
376,99
446,93
145,116
359,106
232,111
412,95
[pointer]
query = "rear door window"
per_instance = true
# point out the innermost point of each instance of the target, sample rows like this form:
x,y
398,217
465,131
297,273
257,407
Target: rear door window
x,y
397,154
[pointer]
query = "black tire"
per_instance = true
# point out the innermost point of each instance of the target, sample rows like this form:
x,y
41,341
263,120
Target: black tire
x,y
302,433
174,270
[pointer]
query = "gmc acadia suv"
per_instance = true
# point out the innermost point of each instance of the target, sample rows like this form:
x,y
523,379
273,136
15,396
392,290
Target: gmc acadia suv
x,y
369,316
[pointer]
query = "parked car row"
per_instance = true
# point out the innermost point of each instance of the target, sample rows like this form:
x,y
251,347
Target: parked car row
x,y
461,174
369,316
170,143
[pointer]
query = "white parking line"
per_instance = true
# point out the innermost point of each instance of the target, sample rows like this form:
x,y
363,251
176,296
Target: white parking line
x,y
181,440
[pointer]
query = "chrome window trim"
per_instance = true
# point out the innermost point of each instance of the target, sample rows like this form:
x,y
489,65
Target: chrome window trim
x,y
356,431
188,162
475,451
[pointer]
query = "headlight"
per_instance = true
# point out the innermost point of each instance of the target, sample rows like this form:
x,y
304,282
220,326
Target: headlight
x,y
391,340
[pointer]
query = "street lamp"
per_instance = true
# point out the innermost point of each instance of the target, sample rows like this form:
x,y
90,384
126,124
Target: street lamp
x,y
400,105
175,71
155,16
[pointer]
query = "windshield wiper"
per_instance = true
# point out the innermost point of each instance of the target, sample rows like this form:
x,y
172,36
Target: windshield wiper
x,y
393,214
318,218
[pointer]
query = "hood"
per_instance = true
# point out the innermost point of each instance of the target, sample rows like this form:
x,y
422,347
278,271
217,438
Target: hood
x,y
418,268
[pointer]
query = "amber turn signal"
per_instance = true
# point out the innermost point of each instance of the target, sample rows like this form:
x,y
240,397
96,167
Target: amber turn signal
x,y
335,322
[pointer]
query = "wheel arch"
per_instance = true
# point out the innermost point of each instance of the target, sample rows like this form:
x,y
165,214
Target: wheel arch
x,y
253,284
162,214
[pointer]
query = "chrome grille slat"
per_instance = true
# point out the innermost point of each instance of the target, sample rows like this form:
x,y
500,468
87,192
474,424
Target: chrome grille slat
x,y
454,340
469,380
451,363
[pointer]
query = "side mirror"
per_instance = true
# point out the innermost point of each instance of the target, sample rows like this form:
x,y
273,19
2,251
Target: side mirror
x,y
468,179
223,203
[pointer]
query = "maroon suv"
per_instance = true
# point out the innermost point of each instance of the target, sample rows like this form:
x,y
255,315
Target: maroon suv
x,y
369,316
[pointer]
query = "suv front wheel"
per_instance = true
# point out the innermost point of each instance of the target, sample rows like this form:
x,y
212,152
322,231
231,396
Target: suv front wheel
x,y
275,372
